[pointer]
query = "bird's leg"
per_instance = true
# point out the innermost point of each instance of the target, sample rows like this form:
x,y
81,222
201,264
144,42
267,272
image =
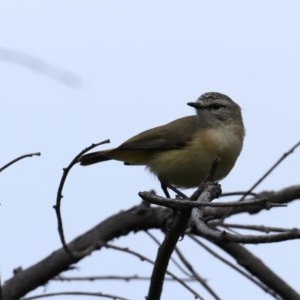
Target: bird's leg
x,y
165,185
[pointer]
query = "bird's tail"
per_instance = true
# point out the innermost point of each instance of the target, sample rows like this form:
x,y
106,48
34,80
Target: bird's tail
x,y
94,157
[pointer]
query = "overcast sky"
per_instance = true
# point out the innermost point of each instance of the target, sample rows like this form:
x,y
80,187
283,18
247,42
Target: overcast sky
x,y
77,72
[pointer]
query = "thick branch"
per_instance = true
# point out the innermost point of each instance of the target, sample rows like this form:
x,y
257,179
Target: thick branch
x,y
137,218
257,268
184,204
164,253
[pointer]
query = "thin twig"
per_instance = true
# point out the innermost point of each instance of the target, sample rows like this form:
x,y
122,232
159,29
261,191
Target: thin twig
x,y
19,158
75,293
261,228
277,163
255,266
231,265
144,258
59,195
126,278
195,274
239,193
224,236
207,180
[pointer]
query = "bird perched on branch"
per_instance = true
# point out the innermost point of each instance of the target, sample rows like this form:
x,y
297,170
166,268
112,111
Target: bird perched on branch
x,y
181,152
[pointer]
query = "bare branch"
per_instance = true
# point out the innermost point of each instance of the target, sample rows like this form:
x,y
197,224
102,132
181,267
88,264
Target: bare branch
x,y
277,163
143,258
177,264
224,236
258,269
141,217
185,204
19,158
75,293
211,192
164,253
137,218
261,228
59,196
166,249
195,274
208,179
283,196
239,193
126,278
234,267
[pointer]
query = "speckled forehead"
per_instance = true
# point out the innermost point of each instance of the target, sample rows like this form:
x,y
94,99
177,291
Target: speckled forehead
x,y
213,96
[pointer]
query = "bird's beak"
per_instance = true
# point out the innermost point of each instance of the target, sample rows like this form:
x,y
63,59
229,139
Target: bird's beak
x,y
196,105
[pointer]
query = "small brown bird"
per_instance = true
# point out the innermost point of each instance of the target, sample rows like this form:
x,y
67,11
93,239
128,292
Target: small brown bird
x,y
181,152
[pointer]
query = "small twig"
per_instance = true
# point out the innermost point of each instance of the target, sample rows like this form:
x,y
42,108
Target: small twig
x,y
75,293
125,278
19,158
277,163
231,265
284,196
208,179
195,274
143,258
224,236
261,228
239,193
59,195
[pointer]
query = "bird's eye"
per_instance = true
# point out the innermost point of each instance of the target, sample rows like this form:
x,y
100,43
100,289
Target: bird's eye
x,y
216,106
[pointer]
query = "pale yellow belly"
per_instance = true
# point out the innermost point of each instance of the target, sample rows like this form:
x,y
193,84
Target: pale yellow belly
x,y
188,166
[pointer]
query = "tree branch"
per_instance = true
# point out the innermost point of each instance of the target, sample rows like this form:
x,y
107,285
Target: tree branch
x,y
19,158
164,253
137,218
206,192
283,196
257,268
276,164
59,197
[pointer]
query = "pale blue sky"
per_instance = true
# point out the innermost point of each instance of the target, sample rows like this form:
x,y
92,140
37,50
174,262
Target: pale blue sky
x,y
136,65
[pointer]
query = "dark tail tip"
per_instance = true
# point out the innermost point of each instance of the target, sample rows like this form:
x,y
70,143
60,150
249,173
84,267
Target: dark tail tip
x,y
93,158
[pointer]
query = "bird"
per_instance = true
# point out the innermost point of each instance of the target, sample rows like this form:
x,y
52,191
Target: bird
x,y
181,153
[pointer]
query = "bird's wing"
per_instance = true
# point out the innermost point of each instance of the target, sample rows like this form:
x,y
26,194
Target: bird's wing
x,y
173,135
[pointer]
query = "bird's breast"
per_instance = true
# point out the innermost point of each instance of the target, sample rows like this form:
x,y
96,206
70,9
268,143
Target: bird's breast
x,y
187,166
